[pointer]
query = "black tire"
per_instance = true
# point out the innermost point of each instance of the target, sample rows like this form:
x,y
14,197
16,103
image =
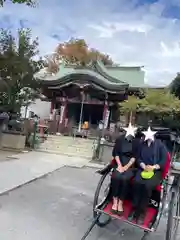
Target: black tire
x,y
145,236
172,223
101,223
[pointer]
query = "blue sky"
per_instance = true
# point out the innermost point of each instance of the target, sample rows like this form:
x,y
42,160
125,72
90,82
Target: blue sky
x,y
132,32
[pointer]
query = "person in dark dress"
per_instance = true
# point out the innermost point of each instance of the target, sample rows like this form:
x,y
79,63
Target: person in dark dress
x,y
151,157
124,154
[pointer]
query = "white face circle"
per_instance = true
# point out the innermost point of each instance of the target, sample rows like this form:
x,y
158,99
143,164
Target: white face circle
x,y
130,130
149,134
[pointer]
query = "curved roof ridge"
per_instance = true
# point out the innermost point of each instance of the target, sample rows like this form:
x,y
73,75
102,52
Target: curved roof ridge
x,y
93,77
101,69
124,66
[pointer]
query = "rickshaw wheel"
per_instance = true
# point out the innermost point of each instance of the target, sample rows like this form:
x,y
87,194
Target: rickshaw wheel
x,y
173,214
101,222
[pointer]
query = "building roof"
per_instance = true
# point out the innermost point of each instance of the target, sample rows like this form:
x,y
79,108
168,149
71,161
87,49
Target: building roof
x,y
113,78
156,87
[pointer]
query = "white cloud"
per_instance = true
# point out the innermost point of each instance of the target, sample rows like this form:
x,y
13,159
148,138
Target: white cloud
x,y
173,51
108,29
130,34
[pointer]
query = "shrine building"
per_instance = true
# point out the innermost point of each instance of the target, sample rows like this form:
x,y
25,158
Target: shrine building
x,y
89,93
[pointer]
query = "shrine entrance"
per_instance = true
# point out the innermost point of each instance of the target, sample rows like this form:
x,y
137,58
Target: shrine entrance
x,y
91,113
81,105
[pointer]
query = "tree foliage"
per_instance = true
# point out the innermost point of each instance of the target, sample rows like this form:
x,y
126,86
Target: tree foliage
x,y
160,101
27,2
175,86
17,68
130,105
156,101
159,106
76,51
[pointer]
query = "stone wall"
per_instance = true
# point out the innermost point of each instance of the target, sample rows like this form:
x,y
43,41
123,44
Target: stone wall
x,y
12,141
106,153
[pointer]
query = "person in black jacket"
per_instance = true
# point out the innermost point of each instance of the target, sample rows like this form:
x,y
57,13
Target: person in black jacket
x,y
150,158
124,152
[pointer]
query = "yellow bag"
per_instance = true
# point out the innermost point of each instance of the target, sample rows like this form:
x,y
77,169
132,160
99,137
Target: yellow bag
x,y
147,175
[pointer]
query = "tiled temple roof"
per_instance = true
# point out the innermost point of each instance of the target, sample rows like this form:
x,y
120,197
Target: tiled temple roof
x,y
112,78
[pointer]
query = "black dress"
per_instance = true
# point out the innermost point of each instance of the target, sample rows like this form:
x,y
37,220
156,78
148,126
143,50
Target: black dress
x,y
120,181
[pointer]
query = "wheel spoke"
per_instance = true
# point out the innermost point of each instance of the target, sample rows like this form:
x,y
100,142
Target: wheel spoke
x,y
176,217
100,197
173,217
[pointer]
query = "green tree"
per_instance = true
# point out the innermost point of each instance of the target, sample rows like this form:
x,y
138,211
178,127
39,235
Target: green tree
x,y
27,2
155,101
163,108
131,105
17,67
175,86
157,104
160,101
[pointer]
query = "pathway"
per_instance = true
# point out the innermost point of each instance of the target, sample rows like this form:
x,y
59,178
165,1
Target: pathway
x,y
59,207
32,165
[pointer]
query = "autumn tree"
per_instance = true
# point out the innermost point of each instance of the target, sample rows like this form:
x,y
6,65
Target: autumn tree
x,y
27,2
17,67
76,51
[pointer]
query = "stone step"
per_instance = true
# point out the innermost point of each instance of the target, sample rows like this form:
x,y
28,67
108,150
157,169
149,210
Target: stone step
x,y
77,147
83,155
66,138
68,142
64,146
67,149
50,145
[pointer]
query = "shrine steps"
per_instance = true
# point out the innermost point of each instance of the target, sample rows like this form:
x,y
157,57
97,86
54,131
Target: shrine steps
x,y
62,145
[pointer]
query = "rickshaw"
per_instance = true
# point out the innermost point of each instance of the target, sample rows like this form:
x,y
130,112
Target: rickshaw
x,y
167,191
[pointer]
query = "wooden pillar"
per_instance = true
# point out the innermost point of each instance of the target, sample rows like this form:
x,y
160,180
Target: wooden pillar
x,y
51,110
106,114
63,114
41,127
81,112
51,107
105,109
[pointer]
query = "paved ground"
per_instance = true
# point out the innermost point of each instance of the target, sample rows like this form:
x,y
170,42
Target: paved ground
x,y
6,155
29,166
59,206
